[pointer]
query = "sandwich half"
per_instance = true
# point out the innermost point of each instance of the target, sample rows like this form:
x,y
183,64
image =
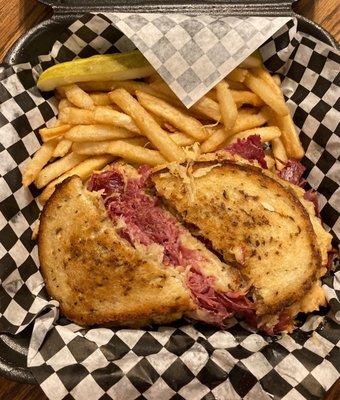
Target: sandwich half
x,y
259,224
111,254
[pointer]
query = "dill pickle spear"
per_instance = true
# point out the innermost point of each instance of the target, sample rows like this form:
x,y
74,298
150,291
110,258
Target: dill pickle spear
x,y
108,67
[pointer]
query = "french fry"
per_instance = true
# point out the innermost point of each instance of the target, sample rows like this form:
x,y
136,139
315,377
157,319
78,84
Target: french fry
x,y
228,111
181,139
227,105
213,142
207,107
267,134
63,103
78,96
289,136
57,123
132,86
187,124
265,76
57,168
242,97
83,170
267,94
279,153
168,126
165,92
37,163
277,80
91,133
147,125
270,162
62,148
120,148
247,121
76,116
237,75
100,99
48,134
104,115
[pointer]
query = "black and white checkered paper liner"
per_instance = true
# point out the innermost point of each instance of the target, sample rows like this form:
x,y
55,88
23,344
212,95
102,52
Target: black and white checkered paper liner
x,y
184,360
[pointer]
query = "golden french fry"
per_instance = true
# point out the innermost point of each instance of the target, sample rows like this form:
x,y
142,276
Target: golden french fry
x,y
227,105
237,75
279,153
228,111
63,103
119,148
289,136
168,127
267,134
48,134
57,168
100,99
104,115
91,133
277,80
78,96
37,163
76,116
265,76
207,107
187,124
270,162
62,148
247,121
57,123
181,139
213,142
147,125
267,94
83,170
132,86
242,97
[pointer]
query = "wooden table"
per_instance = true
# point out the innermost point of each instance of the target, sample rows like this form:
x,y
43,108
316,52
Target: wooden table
x,y
18,16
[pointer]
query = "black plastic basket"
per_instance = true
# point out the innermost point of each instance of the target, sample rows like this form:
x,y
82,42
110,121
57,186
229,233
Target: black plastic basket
x,y
39,40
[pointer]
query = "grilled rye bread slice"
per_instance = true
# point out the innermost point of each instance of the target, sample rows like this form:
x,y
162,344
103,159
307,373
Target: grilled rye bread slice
x,y
253,219
102,272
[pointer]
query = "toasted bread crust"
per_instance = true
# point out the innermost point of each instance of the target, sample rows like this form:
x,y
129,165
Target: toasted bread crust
x,y
94,274
254,219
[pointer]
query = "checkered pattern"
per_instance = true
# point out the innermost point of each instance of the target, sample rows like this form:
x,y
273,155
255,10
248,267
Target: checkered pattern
x,y
184,361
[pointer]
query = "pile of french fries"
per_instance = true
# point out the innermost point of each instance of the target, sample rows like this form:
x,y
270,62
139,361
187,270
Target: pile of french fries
x,y
144,122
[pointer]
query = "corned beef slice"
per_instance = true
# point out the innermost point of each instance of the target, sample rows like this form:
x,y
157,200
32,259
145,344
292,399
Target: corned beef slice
x,y
219,305
147,223
292,172
249,148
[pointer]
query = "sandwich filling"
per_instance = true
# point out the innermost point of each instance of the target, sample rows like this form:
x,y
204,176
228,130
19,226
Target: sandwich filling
x,y
146,223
